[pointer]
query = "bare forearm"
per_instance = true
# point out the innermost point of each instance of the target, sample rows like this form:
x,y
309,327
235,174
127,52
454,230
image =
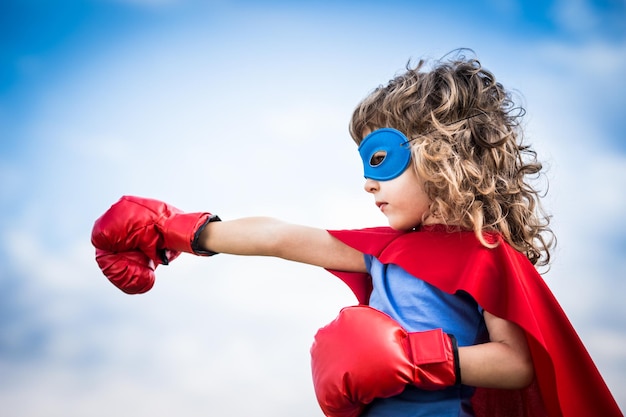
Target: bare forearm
x,y
264,236
247,236
495,365
504,362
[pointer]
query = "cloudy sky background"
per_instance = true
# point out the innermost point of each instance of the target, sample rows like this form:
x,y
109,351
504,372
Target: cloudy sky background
x,y
241,108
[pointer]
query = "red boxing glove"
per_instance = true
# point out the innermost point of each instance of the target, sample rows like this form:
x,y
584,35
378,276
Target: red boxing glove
x,y
364,354
137,234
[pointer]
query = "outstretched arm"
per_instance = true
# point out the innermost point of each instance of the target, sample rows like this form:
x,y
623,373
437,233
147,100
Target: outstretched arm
x,y
264,236
137,234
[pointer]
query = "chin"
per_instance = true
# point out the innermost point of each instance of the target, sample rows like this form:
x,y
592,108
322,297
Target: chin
x,y
403,227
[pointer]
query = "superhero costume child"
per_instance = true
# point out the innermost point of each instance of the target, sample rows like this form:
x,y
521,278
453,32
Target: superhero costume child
x,y
365,362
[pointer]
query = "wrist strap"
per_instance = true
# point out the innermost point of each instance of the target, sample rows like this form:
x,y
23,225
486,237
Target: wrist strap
x,y
435,355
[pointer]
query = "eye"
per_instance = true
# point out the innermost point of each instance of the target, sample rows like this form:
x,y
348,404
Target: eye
x,y
378,158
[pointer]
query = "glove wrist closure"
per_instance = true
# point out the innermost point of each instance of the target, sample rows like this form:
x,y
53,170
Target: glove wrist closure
x,y
182,231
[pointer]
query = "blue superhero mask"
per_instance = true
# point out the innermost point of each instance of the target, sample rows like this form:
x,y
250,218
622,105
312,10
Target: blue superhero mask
x,y
386,153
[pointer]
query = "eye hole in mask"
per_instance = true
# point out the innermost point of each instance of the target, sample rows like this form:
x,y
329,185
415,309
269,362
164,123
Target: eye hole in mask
x,y
378,158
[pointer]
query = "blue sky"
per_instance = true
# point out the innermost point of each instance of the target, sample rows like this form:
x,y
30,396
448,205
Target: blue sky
x,y
241,108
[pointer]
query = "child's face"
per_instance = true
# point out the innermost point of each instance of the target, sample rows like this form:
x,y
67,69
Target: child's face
x,y
401,199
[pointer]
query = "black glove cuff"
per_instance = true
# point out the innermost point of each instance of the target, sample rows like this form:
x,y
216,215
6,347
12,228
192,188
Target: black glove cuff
x,y
457,364
196,237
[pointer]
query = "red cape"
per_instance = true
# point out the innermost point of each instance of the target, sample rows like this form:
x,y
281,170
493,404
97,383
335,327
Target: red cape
x,y
506,284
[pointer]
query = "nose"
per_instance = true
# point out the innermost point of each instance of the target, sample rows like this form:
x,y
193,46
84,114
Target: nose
x,y
371,186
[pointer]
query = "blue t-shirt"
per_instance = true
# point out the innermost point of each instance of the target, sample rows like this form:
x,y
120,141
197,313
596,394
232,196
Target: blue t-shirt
x,y
419,306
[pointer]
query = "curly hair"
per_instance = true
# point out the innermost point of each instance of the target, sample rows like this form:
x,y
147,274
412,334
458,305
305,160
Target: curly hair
x,y
466,144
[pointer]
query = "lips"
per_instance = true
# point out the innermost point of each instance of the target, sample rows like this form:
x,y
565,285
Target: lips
x,y
381,205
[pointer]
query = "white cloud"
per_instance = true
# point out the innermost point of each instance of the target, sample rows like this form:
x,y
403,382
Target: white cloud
x,y
576,15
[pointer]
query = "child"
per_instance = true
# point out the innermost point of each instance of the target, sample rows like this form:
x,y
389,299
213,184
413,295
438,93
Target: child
x,y
453,319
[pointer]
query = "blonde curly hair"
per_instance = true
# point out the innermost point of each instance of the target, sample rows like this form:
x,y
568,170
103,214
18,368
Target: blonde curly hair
x,y
466,139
